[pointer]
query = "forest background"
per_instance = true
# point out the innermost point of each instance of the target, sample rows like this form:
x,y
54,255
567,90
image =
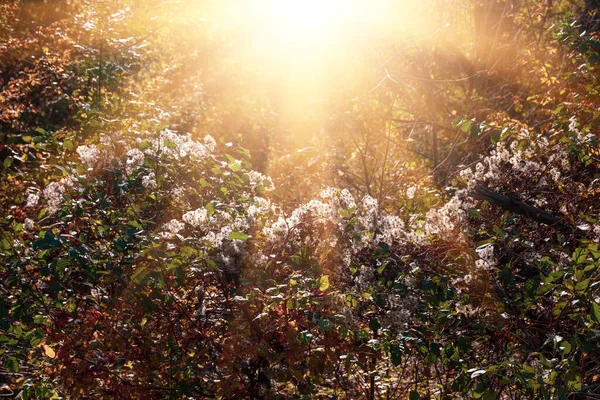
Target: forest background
x,y
269,199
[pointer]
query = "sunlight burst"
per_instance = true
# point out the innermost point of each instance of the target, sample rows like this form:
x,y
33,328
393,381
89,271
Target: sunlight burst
x,y
297,22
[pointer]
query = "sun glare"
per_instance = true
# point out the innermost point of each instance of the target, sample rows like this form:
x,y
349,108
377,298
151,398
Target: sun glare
x,y
284,26
309,50
307,21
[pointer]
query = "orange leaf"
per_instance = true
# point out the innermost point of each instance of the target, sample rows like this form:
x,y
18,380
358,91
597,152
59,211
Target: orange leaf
x,y
49,351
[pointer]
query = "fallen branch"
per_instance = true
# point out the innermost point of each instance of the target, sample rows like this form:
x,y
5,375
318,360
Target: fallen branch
x,y
521,208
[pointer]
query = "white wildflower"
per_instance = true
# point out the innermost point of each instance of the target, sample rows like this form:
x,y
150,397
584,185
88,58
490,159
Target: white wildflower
x,y
260,206
149,181
392,229
171,228
210,143
486,251
196,218
178,192
191,148
53,195
479,171
365,277
135,158
370,213
596,231
467,176
327,193
346,199
486,257
573,124
28,225
32,199
89,154
445,219
258,179
555,174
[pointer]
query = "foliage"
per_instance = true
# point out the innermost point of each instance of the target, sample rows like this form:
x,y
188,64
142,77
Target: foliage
x,y
143,258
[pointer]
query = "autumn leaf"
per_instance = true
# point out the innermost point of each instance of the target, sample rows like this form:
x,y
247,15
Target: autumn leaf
x,y
323,283
48,351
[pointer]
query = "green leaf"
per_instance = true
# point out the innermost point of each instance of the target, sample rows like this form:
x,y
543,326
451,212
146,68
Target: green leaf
x,y
135,224
68,145
71,305
396,351
145,145
238,236
323,283
554,276
489,395
210,208
374,325
414,395
579,255
474,213
347,213
582,286
596,311
49,242
325,325
139,274
495,136
235,166
7,162
11,364
26,138
465,126
170,144
4,244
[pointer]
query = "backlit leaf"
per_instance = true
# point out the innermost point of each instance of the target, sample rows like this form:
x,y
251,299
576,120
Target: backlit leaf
x,y
49,351
238,236
323,283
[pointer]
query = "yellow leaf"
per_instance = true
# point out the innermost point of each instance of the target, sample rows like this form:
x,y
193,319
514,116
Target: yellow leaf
x,y
323,283
49,351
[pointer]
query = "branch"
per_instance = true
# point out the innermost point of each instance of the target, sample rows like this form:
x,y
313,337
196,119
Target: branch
x,y
521,208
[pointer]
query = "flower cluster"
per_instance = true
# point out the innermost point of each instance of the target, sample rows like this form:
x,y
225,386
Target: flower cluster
x,y
171,228
196,218
519,157
54,191
486,257
33,199
448,218
135,158
172,144
149,181
90,155
259,180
